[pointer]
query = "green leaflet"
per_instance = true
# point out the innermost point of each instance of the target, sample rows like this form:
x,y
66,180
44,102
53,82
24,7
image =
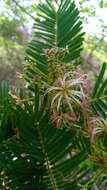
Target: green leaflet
x,y
99,95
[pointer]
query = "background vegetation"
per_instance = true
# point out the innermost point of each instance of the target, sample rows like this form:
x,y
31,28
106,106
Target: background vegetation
x,y
16,21
53,127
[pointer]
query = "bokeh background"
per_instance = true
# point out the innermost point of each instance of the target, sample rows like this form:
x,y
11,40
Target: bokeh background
x,y
16,22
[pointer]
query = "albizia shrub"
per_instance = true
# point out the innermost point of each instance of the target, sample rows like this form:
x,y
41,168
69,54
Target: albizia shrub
x,y
53,133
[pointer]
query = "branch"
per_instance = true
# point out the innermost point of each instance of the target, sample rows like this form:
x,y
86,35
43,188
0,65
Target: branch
x,y
23,9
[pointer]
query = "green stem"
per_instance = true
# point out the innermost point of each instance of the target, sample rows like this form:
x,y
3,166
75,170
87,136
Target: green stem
x,y
99,98
53,182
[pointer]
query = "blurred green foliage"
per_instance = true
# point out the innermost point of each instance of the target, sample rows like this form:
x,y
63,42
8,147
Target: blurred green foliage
x,y
16,20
